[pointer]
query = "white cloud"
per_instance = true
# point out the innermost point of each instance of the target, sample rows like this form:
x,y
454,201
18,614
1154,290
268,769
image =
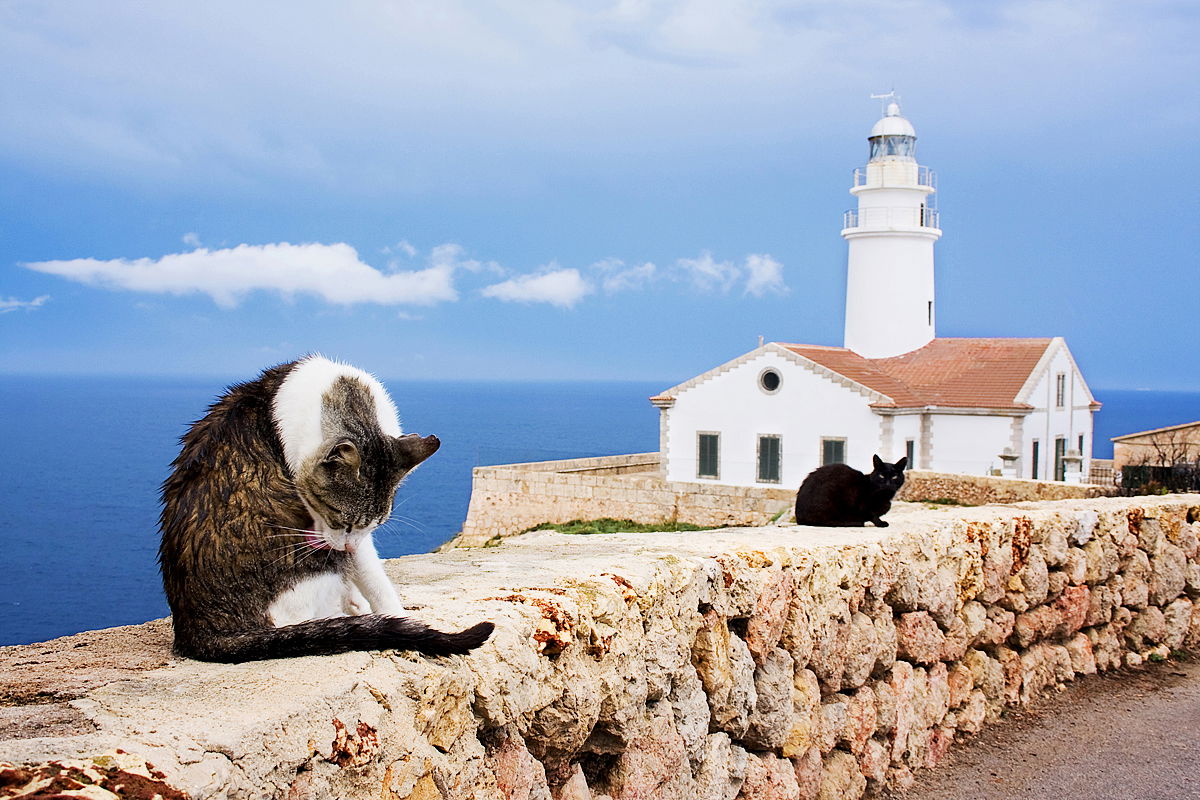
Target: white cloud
x,y
707,274
617,277
559,287
764,275
191,239
403,247
761,273
332,272
451,255
12,304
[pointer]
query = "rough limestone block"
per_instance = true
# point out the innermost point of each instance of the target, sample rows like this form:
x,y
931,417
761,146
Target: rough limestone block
x,y
690,708
1102,602
940,739
1177,619
861,720
1075,566
726,671
770,723
831,634
809,768
960,683
1148,629
833,722
986,673
885,706
518,774
873,762
862,647
1010,665
1135,592
806,714
906,714
1035,577
1086,526
972,715
722,769
1193,580
656,764
1103,559
1083,659
937,695
769,777
841,778
1168,573
1056,546
918,638
766,623
958,639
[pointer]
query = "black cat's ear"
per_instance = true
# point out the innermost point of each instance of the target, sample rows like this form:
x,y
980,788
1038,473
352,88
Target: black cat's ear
x,y
877,461
344,452
413,448
902,463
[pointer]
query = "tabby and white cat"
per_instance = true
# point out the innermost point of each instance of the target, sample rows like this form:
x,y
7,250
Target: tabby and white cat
x,y
267,519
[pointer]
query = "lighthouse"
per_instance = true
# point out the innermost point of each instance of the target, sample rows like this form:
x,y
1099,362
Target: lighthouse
x,y
889,276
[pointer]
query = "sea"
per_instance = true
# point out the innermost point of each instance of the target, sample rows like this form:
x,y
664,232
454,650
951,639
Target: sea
x,y
83,458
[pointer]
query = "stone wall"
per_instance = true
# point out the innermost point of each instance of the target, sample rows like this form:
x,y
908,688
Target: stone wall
x,y
774,662
978,490
512,498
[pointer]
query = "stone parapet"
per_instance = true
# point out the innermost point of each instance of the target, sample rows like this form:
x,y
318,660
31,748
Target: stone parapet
x,y
773,662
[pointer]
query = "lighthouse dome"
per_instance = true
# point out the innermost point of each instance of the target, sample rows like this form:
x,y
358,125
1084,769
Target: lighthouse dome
x,y
893,136
892,124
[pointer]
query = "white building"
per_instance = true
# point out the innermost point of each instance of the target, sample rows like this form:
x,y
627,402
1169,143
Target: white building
x,y
951,405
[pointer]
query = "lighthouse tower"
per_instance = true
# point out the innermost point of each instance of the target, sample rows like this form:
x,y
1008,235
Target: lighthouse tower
x,y
889,278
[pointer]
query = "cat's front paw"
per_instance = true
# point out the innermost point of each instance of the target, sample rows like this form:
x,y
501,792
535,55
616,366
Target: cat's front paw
x,y
879,523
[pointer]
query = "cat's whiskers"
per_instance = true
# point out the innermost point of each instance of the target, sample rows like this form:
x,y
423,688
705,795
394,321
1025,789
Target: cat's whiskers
x,y
298,530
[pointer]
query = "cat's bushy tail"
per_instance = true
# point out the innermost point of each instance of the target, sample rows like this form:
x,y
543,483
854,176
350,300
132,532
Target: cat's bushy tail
x,y
321,637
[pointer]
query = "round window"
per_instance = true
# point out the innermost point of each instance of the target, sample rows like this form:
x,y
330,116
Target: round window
x,y
769,380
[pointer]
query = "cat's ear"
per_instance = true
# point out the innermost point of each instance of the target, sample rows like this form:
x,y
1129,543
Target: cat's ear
x,y
902,463
344,452
413,448
877,461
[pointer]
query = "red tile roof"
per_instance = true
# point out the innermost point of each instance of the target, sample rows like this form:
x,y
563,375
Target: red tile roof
x,y
962,373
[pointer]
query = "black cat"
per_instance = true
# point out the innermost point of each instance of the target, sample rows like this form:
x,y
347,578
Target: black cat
x,y
838,495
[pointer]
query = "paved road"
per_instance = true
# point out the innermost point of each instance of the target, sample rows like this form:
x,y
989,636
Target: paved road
x,y
1134,735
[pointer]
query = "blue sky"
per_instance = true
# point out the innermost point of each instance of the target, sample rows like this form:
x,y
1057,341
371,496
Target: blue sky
x,y
552,190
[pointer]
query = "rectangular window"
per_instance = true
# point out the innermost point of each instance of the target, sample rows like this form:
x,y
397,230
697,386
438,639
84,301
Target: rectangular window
x,y
1060,390
910,450
1060,450
708,446
769,457
1081,451
1037,458
833,451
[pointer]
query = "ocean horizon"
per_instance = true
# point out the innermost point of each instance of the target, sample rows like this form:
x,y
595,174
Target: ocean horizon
x,y
88,453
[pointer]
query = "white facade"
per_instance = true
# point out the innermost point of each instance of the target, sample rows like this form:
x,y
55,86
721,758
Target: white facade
x,y
889,274
1051,420
812,404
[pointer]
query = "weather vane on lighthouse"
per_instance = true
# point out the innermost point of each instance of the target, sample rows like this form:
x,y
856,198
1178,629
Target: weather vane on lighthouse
x,y
893,97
